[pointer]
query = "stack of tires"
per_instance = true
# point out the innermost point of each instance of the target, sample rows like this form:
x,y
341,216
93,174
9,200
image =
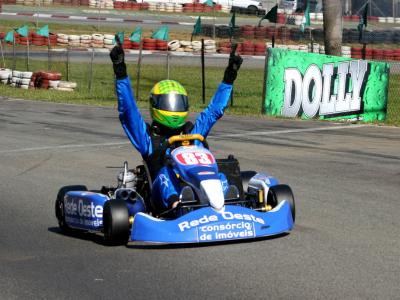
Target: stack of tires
x,y
74,41
85,41
161,45
62,39
149,44
108,41
378,54
97,40
356,52
38,40
194,46
5,76
66,86
21,79
248,31
45,79
260,32
346,51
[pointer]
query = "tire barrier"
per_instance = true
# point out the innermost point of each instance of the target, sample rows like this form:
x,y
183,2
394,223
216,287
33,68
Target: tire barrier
x,y
130,5
194,46
5,76
51,80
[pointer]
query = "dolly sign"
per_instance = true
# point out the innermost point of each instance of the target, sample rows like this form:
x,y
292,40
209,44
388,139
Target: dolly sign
x,y
310,85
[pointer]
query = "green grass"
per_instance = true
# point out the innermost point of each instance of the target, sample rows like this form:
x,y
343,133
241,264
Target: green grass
x,y
247,96
393,113
247,93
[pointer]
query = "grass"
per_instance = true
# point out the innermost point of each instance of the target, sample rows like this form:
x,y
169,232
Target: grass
x,y
393,113
247,97
247,93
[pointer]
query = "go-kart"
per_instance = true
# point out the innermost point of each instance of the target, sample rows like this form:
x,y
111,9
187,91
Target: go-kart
x,y
253,205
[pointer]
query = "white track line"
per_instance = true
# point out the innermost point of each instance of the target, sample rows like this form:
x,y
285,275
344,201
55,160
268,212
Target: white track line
x,y
276,132
63,147
255,133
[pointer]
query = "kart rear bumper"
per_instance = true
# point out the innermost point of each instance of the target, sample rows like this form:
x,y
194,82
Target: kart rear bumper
x,y
208,225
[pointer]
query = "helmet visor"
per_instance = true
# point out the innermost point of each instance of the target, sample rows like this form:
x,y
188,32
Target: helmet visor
x,y
170,102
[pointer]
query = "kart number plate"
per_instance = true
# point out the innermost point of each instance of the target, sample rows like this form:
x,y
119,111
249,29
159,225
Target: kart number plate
x,y
195,158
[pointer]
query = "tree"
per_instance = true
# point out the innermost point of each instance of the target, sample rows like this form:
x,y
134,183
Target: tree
x,y
333,26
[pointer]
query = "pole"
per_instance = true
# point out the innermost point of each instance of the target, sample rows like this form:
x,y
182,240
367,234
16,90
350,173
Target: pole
x,y
27,56
2,54
14,61
91,73
311,40
48,54
138,70
167,64
202,73
67,63
264,93
214,22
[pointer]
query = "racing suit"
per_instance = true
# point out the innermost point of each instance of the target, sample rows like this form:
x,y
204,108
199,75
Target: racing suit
x,y
141,135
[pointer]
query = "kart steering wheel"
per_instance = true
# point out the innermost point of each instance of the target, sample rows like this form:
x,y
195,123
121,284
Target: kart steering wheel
x,y
187,139
180,140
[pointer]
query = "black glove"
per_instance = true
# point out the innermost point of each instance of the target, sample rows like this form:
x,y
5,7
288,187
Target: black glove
x,y
117,56
233,67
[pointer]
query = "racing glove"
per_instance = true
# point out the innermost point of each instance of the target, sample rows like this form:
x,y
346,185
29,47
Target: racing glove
x,y
117,56
234,64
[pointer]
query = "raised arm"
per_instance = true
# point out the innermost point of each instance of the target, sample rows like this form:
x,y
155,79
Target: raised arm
x,y
131,120
215,110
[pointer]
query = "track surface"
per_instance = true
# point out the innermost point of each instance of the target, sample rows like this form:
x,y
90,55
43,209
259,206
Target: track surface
x,y
345,244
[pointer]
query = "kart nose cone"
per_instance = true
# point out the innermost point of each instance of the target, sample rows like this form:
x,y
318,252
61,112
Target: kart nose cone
x,y
212,188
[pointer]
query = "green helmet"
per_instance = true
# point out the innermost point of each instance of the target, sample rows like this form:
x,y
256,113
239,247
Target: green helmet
x,y
169,103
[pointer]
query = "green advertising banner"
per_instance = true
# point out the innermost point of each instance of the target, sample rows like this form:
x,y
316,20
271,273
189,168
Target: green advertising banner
x,y
308,85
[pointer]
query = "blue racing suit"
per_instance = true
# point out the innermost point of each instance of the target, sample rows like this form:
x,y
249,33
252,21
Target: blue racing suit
x,y
165,184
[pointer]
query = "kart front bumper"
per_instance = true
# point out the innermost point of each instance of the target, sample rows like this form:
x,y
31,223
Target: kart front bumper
x,y
209,225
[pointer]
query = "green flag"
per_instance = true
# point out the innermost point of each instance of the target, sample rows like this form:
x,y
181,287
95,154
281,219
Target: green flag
x,y
197,27
306,18
232,25
272,15
9,37
161,33
44,31
136,35
121,37
209,3
363,21
23,31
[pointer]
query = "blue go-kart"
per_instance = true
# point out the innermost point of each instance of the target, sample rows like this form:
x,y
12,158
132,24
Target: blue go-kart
x,y
253,205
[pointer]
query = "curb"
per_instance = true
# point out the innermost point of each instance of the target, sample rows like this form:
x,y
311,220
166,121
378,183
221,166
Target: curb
x,y
91,18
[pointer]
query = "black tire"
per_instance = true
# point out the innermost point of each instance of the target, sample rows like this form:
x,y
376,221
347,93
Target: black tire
x,y
246,176
116,223
59,205
252,10
280,192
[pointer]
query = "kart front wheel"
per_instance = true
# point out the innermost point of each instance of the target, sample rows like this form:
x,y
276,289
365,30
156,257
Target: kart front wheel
x,y
59,206
280,192
116,222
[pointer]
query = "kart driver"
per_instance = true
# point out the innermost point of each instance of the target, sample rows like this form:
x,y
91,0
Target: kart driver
x,y
169,109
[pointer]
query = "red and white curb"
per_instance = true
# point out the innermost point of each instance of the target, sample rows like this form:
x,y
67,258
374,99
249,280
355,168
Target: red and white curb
x,y
93,18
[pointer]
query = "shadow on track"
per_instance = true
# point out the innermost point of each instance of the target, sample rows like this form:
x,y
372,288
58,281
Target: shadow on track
x,y
98,239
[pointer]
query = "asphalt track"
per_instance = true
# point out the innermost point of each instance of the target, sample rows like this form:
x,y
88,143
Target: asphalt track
x,y
345,244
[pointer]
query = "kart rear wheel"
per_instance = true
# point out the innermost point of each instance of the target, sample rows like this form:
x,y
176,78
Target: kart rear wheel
x,y
280,192
246,176
59,205
116,222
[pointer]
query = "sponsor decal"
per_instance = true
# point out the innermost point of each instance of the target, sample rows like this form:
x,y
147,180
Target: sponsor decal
x,y
79,208
314,92
79,212
234,226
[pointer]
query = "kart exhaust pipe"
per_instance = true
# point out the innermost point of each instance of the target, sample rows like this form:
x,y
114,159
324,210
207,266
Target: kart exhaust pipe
x,y
127,195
